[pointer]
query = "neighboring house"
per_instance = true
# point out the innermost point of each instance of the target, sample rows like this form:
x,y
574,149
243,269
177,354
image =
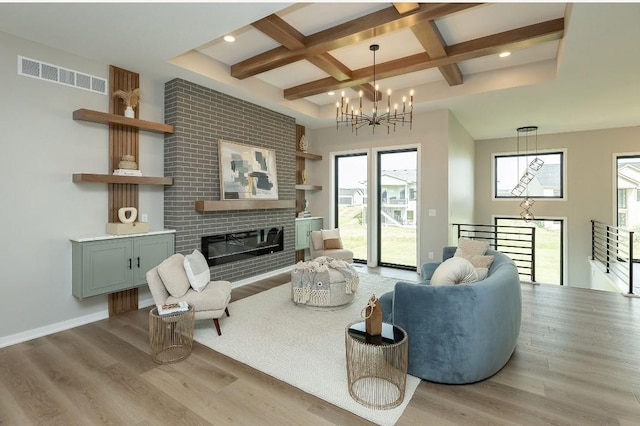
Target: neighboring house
x,y
546,181
398,197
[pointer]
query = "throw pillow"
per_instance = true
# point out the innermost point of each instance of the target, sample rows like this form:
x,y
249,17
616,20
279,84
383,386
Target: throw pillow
x,y
331,239
456,270
197,269
482,273
468,248
481,263
316,240
173,276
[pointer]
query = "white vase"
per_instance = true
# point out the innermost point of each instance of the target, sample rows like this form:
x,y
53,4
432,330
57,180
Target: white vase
x,y
129,112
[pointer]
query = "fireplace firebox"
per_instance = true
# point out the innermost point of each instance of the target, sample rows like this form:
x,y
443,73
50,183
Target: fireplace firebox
x,y
225,248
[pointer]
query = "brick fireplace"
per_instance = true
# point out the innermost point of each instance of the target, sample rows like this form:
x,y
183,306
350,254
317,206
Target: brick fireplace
x,y
202,117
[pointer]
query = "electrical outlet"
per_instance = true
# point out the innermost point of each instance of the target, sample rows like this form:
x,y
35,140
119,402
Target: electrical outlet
x,y
431,255
144,217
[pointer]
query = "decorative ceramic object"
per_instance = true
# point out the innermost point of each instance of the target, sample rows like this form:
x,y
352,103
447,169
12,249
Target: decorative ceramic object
x,y
132,214
304,143
128,162
304,177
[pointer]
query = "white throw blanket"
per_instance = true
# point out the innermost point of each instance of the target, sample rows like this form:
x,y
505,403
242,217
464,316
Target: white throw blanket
x,y
310,281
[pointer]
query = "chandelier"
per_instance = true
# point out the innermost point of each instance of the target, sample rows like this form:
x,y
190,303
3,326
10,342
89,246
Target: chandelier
x,y
522,187
356,117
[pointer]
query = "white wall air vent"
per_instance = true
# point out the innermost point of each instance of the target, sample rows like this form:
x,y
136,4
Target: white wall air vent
x,y
41,70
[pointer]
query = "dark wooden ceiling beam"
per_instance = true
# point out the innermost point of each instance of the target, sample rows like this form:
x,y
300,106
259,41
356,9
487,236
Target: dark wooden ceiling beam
x,y
493,44
429,36
362,28
331,66
279,30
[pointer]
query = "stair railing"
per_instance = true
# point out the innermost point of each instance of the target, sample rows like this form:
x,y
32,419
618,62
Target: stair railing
x,y
613,247
517,242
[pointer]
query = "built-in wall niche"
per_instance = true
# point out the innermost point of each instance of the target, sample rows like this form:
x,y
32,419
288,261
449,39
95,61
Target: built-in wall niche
x,y
122,190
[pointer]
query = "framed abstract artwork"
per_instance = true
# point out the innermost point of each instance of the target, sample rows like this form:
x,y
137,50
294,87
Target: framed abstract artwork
x,y
247,172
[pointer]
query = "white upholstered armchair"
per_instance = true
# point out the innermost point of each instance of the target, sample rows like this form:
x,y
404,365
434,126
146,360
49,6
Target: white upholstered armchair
x,y
327,242
169,284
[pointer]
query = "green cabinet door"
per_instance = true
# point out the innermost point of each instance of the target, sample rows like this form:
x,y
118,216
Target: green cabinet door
x,y
149,252
107,267
303,231
302,234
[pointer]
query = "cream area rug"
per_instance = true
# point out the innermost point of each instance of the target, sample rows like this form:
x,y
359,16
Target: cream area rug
x,y
301,346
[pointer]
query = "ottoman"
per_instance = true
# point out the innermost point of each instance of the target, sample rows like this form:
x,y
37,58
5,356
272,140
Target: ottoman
x,y
323,282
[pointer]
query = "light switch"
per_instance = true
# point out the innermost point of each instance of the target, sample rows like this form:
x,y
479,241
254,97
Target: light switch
x,y
432,212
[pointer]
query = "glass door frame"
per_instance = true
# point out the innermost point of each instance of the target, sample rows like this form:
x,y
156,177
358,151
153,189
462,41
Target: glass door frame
x,y
378,205
336,194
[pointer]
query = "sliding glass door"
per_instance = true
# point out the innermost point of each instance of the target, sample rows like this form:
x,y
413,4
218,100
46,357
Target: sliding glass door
x,y
351,203
397,201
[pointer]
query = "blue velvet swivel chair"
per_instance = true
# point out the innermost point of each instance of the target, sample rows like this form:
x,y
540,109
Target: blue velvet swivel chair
x,y
458,333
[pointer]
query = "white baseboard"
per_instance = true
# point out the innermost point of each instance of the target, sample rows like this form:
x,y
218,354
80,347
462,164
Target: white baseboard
x,y
51,328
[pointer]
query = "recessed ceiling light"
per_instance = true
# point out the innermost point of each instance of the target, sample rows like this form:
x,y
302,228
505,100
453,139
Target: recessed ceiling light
x,y
229,38
331,93
504,54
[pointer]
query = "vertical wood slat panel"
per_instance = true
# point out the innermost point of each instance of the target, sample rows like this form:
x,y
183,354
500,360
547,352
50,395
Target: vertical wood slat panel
x,y
123,140
300,166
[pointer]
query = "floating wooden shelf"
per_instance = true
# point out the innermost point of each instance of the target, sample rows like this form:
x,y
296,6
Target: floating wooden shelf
x,y
106,118
136,180
309,187
308,155
225,205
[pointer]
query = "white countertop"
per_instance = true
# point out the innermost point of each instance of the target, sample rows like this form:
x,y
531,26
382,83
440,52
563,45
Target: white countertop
x,y
111,236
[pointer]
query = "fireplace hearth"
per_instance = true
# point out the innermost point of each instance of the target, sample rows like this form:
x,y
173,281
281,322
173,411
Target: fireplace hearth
x,y
234,246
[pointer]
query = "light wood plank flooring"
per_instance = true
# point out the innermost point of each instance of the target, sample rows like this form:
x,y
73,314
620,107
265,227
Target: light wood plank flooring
x,y
577,363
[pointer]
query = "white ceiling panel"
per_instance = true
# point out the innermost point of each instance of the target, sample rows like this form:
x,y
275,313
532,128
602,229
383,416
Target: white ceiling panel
x,y
292,75
249,42
538,53
494,18
392,46
310,18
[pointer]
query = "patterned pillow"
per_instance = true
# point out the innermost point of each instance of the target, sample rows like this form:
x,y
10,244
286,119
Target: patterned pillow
x,y
197,269
468,248
481,263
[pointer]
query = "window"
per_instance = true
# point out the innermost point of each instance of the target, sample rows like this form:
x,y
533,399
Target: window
x,y
547,182
622,220
622,198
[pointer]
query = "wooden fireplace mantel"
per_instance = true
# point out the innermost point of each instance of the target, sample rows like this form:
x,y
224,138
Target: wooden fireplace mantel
x,y
203,206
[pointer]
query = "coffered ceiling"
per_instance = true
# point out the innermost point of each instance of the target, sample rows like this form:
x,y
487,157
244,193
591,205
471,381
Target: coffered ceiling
x,y
571,65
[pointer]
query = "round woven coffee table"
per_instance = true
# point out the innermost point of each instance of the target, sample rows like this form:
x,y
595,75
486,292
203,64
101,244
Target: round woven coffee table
x,y
171,335
376,365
